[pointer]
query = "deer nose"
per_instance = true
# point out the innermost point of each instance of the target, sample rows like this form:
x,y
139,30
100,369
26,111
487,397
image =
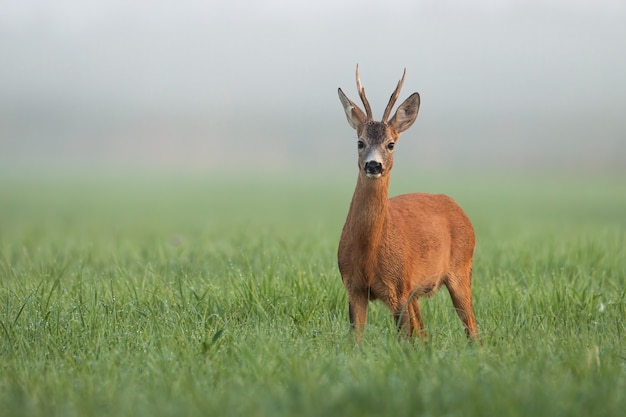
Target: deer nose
x,y
373,168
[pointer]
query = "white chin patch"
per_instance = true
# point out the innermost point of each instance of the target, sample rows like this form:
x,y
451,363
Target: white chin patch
x,y
373,176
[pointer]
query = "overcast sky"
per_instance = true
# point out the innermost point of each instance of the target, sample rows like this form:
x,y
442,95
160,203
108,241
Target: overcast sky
x,y
503,82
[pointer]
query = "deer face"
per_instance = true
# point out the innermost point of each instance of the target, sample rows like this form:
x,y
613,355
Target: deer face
x,y
375,146
377,139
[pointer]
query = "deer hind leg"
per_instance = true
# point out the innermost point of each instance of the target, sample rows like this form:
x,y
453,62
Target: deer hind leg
x,y
409,318
459,287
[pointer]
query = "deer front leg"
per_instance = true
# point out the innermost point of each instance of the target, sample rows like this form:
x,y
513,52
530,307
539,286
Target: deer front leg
x,y
357,310
408,318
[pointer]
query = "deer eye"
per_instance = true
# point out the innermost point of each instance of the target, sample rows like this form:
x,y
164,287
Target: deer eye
x,y
360,144
390,145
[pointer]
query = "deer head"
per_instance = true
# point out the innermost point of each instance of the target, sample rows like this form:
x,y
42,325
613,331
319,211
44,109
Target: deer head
x,y
376,140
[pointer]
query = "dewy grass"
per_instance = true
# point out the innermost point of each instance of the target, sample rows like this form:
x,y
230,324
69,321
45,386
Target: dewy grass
x,y
151,298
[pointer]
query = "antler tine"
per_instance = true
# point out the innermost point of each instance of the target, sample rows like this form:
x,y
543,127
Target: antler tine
x,y
393,98
368,109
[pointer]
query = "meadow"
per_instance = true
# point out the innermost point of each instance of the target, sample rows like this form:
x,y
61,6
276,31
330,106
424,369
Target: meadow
x,y
127,295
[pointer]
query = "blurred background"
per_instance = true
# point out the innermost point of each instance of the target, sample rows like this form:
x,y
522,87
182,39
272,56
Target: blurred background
x,y
250,86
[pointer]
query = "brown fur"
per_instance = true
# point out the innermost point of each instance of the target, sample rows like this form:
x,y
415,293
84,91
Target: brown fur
x,y
397,250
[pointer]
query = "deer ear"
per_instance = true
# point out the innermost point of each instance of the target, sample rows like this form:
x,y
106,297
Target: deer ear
x,y
406,113
354,114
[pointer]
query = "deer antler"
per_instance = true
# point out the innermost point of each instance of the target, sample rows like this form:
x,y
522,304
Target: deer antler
x,y
393,98
368,109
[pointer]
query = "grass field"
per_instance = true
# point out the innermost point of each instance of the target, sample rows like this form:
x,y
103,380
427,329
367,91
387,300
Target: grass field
x,y
202,296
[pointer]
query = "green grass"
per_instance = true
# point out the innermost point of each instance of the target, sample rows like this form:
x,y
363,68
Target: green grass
x,y
154,297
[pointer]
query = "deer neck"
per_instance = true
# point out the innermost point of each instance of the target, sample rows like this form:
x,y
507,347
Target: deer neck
x,y
368,210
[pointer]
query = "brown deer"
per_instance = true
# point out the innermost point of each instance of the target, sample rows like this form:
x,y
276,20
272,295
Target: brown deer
x,y
399,249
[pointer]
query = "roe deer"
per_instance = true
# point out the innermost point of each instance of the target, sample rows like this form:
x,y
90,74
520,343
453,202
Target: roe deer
x,y
399,249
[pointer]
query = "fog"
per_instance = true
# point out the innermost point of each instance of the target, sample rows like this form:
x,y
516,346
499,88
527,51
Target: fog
x,y
248,85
